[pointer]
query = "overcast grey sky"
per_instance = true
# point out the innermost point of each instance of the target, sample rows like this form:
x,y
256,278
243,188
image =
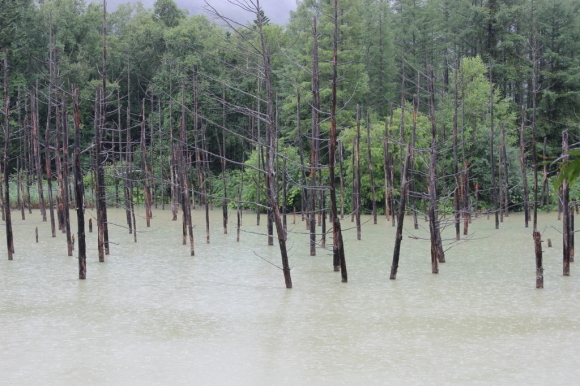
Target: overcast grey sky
x,y
277,10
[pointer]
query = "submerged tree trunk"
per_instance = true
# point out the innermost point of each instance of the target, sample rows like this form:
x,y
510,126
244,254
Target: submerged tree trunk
x,y
338,245
65,180
79,192
401,215
539,267
9,237
315,140
437,253
524,174
565,210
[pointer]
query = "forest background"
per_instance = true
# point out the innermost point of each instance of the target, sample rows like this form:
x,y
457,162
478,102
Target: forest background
x,y
171,106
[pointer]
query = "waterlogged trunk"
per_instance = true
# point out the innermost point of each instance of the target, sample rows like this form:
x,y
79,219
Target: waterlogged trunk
x,y
401,216
524,174
185,205
65,179
539,268
9,237
315,140
357,176
338,245
565,197
370,160
79,192
437,253
36,154
145,171
99,172
271,134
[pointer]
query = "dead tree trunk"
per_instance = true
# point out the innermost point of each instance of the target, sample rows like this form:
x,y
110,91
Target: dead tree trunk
x,y
271,191
357,180
223,163
539,268
370,158
315,139
145,170
491,149
99,177
9,237
437,253
401,216
185,204
36,152
457,191
565,197
506,195
524,174
79,191
338,245
65,179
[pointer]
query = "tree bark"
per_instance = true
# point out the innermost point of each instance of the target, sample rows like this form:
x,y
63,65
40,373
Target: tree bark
x,y
79,192
401,216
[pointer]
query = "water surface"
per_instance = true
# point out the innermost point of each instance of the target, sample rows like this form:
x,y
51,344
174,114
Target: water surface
x,y
152,314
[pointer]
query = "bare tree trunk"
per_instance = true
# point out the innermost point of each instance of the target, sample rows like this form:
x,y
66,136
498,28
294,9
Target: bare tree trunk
x,y
457,191
357,180
223,163
524,174
539,268
386,169
9,237
506,176
491,148
36,151
315,138
401,216
338,245
373,191
145,170
437,253
271,191
65,180
79,192
99,172
303,190
565,209
185,205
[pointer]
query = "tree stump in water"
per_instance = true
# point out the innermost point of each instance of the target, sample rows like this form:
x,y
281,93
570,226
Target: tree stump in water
x,y
539,269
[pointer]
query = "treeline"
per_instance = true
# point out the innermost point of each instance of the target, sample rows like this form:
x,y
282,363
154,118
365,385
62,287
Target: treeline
x,y
176,109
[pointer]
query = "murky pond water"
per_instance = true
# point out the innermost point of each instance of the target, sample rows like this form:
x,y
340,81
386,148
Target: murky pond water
x,y
152,314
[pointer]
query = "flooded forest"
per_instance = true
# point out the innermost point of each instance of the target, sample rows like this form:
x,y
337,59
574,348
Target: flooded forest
x,y
402,114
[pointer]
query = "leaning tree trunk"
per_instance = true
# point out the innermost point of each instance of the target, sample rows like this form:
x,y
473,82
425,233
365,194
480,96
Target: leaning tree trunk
x,y
401,216
338,245
9,237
